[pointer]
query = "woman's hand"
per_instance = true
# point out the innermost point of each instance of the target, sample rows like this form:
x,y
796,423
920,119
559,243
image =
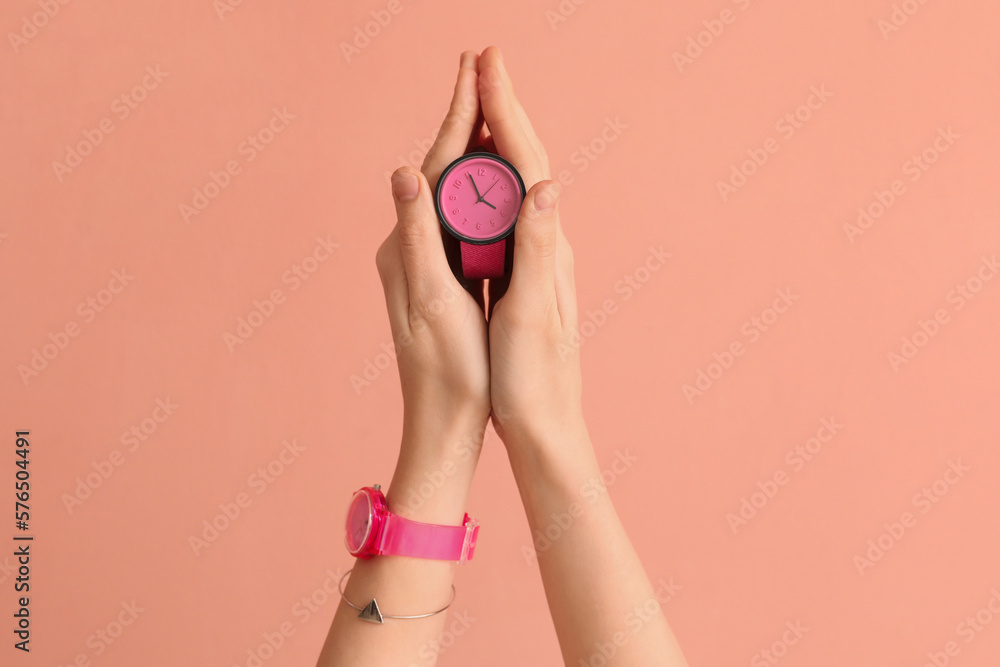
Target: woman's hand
x,y
591,573
534,354
439,328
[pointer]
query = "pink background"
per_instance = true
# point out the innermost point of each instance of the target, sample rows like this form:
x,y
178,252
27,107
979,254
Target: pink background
x,y
680,131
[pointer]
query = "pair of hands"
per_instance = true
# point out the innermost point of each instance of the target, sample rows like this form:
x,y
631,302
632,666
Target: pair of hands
x,y
521,365
516,359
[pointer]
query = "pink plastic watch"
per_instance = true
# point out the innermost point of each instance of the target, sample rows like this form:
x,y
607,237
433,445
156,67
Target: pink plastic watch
x,y
372,530
477,199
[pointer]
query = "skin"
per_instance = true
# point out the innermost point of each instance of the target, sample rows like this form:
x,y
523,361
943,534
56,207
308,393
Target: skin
x,y
519,368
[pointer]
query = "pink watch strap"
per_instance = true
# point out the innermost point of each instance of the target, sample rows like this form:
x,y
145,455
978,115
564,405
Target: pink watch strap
x,y
483,261
404,537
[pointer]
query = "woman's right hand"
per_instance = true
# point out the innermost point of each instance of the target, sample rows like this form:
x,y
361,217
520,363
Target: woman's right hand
x,y
535,385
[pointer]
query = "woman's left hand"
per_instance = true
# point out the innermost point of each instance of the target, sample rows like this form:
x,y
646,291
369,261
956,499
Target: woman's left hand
x,y
438,326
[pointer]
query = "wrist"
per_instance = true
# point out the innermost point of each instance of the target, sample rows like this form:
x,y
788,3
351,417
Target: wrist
x,y
559,429
554,472
437,460
436,415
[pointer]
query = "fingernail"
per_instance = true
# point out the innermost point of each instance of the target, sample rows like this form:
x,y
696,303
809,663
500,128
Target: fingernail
x,y
546,199
468,59
499,54
405,186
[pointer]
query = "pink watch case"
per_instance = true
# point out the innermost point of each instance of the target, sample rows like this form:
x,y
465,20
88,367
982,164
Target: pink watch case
x,y
372,530
477,199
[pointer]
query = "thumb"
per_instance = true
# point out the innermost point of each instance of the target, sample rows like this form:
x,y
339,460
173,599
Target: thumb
x,y
535,239
419,233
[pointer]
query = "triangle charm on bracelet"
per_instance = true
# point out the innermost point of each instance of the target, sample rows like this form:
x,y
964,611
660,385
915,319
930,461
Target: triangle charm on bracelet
x,y
371,613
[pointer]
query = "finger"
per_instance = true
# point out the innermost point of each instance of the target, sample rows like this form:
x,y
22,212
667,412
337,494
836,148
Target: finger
x,y
497,59
419,237
565,281
475,138
509,135
535,245
456,129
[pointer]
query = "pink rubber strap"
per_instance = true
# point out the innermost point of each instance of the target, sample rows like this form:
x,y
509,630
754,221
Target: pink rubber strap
x,y
483,261
404,537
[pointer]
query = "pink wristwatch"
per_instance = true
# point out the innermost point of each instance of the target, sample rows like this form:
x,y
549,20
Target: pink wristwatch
x,y
477,199
372,530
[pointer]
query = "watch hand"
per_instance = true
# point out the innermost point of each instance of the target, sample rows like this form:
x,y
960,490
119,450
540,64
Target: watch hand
x,y
489,188
475,188
482,197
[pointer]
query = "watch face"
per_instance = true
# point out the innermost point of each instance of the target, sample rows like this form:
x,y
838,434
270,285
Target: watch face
x,y
478,198
359,522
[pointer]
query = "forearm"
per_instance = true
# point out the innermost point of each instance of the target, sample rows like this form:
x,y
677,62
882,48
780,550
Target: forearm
x,y
593,579
431,484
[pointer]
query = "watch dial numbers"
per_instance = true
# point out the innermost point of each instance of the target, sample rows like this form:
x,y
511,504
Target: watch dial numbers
x,y
479,200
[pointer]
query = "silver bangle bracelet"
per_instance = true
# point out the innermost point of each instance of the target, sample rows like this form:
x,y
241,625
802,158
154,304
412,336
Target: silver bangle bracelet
x,y
370,612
